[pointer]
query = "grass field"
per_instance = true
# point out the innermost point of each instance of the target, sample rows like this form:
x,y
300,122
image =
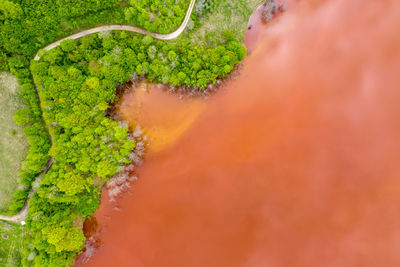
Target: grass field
x,y
10,244
230,15
13,143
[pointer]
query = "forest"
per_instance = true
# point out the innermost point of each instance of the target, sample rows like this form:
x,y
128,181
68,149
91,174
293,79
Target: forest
x,y
27,26
77,82
68,91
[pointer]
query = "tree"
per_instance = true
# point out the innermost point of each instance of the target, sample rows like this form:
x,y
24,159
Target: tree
x,y
9,10
92,82
147,40
22,117
64,239
72,184
105,170
68,45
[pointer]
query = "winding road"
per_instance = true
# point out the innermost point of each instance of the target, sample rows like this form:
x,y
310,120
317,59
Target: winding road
x,y
118,27
20,216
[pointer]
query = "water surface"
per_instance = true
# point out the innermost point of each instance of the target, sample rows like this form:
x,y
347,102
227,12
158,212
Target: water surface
x,y
297,163
163,116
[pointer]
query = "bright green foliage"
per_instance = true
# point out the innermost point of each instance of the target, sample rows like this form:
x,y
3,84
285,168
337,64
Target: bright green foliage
x,y
72,184
176,63
64,239
87,145
9,10
22,117
68,45
34,129
161,16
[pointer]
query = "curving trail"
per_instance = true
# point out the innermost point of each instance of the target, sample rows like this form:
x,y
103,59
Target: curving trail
x,y
118,27
20,216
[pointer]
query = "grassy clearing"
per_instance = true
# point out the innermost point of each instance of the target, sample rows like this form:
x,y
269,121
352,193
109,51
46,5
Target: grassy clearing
x,y
13,143
230,15
10,244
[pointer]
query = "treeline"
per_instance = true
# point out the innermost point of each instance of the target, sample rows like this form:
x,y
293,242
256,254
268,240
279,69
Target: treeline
x,y
89,148
77,82
35,130
176,63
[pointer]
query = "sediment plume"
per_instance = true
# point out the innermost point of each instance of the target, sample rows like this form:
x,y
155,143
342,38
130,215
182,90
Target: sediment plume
x,y
296,164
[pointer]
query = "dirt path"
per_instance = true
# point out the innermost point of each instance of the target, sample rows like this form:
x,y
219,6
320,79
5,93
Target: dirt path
x,y
20,216
118,27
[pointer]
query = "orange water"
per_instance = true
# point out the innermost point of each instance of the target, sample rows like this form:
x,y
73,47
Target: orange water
x,y
297,163
163,116
255,24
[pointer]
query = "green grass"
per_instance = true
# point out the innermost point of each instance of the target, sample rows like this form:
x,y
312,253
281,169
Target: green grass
x,y
13,143
230,15
10,246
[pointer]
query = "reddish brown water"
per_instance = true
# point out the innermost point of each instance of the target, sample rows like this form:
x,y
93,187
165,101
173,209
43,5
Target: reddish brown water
x,y
255,25
297,164
162,116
